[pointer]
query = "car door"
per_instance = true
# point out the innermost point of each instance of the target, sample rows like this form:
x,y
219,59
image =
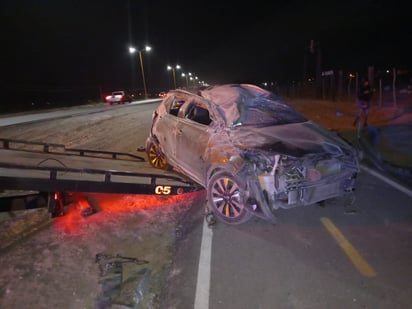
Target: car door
x,y
193,134
166,130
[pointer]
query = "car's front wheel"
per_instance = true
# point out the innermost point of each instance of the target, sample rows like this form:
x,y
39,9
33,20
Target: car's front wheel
x,y
156,157
225,195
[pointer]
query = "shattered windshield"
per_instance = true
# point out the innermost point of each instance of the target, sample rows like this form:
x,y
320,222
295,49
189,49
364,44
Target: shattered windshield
x,y
266,111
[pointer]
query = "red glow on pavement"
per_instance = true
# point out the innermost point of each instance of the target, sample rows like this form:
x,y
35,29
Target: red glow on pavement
x,y
108,205
115,203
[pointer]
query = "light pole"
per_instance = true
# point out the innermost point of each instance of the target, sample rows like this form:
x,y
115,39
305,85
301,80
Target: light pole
x,y
187,80
177,67
351,76
190,77
133,50
194,79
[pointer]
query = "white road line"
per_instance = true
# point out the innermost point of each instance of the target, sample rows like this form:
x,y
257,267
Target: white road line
x,y
203,273
387,180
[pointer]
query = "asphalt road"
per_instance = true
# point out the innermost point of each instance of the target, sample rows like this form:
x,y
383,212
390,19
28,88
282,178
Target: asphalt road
x,y
314,257
8,120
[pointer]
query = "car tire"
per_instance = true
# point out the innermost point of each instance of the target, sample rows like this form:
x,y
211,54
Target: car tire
x,y
224,192
156,157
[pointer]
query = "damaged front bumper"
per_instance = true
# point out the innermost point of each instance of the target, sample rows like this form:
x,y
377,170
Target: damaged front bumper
x,y
291,186
307,192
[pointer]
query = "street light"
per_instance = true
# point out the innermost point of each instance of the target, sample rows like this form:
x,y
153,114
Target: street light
x,y
194,79
177,67
187,80
132,50
351,76
190,78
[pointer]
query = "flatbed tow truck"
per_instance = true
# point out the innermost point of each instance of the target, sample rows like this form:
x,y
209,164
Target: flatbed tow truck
x,y
55,170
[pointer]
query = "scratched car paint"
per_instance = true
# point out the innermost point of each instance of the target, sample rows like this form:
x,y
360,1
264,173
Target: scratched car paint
x,y
251,150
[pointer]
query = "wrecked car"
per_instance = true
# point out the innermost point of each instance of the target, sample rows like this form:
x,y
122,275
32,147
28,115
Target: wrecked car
x,y
252,151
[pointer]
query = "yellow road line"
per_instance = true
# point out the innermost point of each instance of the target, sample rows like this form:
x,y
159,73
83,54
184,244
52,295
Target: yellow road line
x,y
357,260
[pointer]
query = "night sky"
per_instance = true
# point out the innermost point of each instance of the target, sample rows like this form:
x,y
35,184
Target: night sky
x,y
53,45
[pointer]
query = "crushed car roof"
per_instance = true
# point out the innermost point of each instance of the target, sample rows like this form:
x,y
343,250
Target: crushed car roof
x,y
241,104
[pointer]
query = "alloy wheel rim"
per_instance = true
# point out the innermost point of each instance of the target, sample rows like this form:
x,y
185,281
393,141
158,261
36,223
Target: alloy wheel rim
x,y
226,197
156,159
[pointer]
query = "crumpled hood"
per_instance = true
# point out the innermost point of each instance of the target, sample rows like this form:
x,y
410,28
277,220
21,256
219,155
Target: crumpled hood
x,y
295,139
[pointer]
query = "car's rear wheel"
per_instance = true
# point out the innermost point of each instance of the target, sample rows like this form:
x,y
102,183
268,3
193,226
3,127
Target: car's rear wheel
x,y
225,195
156,157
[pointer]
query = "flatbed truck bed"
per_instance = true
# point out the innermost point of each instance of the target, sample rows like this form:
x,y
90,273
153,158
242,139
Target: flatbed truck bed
x,y
46,167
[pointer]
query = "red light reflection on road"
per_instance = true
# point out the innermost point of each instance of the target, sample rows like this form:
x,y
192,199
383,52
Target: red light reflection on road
x,y
72,222
132,202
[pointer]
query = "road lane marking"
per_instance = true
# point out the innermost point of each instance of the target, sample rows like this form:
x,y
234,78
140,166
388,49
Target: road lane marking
x,y
390,182
357,260
203,272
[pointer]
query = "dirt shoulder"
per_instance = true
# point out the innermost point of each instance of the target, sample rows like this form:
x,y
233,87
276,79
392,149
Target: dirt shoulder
x,y
386,142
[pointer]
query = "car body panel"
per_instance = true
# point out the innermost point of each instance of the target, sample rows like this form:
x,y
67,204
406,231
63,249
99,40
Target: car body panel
x,y
192,155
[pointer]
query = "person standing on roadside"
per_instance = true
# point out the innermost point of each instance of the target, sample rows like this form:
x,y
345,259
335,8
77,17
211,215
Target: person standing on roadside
x,y
364,102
